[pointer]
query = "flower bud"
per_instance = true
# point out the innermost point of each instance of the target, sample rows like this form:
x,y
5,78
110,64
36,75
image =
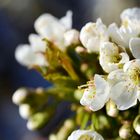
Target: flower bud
x,y
20,96
25,111
65,130
71,37
136,124
125,131
39,119
111,109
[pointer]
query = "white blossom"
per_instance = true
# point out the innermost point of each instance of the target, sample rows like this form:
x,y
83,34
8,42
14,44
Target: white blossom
x,y
97,94
93,34
53,29
122,35
32,54
131,17
112,57
85,135
130,27
125,88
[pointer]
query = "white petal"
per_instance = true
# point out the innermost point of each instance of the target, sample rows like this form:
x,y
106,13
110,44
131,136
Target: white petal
x,y
37,44
26,57
134,45
135,63
132,14
115,34
67,20
87,97
100,26
124,95
96,97
75,135
109,54
92,34
48,26
102,93
116,76
125,58
71,37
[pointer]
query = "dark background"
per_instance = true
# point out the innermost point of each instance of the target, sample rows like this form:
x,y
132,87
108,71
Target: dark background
x,y
16,23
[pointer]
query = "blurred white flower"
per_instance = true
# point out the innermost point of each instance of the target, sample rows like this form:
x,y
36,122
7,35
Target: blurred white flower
x,y
53,29
85,135
125,90
32,54
93,34
97,94
112,57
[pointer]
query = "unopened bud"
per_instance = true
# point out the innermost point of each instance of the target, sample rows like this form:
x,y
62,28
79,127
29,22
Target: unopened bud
x,y
71,37
20,96
125,131
69,124
65,130
25,111
38,120
111,109
136,124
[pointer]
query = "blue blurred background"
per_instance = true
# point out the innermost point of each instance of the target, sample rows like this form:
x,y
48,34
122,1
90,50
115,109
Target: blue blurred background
x,y
16,23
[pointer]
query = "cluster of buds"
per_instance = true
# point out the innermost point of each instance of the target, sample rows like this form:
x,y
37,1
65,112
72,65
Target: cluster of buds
x,y
107,57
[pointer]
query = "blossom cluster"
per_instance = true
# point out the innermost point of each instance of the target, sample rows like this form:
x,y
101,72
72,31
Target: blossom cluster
x,y
119,57
115,78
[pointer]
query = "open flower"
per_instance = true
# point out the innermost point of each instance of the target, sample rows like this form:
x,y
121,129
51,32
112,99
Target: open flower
x,y
97,94
125,88
112,57
53,29
123,34
32,54
85,135
131,17
130,27
92,34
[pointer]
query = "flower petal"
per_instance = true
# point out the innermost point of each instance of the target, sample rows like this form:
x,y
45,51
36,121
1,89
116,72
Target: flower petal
x,y
115,34
131,14
134,45
116,76
133,64
124,95
49,26
92,34
37,44
26,57
67,20
96,97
